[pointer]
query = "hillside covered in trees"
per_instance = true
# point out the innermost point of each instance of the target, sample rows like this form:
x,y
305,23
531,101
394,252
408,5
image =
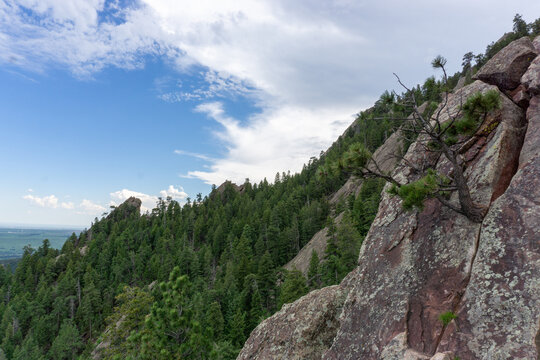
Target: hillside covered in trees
x,y
193,281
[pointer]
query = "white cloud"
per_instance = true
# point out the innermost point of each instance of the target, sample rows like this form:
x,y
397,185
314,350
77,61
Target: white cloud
x,y
67,205
213,84
175,193
195,155
91,208
307,65
49,201
271,142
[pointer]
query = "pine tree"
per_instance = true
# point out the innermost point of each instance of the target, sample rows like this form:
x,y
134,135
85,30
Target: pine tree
x,y
90,303
292,288
237,328
215,320
29,350
126,320
67,343
266,280
169,326
314,276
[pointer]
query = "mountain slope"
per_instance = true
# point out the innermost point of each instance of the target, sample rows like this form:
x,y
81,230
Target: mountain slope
x,y
431,283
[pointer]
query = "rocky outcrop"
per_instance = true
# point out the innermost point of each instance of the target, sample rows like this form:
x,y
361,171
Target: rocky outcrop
x,y
129,207
506,68
351,187
301,330
460,83
317,243
416,265
227,183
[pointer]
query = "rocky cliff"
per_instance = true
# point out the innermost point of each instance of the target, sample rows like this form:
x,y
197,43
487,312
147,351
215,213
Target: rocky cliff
x,y
416,265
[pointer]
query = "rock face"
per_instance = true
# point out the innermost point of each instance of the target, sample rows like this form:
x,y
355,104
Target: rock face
x,y
317,243
536,44
531,78
500,315
416,265
131,206
351,187
301,330
508,65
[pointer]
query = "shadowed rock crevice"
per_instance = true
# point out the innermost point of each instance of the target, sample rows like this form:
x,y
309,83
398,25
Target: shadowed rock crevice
x,y
512,145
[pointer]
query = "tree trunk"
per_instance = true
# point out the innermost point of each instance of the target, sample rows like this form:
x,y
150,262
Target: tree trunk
x,y
468,208
472,211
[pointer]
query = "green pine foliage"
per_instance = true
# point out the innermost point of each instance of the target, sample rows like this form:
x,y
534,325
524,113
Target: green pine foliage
x,y
68,342
127,319
293,287
314,275
415,193
446,317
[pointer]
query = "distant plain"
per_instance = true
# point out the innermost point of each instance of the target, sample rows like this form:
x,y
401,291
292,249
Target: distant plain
x,y
13,240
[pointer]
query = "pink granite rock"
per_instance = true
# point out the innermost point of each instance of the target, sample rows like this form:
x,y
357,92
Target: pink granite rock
x,y
507,66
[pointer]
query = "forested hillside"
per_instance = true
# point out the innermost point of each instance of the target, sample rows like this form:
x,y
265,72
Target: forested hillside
x,y
193,281
217,257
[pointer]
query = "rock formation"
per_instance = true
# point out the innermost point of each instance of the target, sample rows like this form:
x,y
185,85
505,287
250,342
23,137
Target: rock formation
x,y
508,65
126,209
386,157
416,265
317,243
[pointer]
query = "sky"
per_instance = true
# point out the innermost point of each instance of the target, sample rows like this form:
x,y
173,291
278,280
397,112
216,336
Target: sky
x,y
103,100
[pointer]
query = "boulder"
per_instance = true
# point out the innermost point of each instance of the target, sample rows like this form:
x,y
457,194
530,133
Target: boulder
x,y
520,96
531,78
508,65
301,330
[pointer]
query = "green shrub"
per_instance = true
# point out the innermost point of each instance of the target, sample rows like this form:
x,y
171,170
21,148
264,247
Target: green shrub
x,y
447,317
414,193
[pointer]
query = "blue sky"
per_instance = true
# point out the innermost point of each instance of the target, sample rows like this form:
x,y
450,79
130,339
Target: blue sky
x,y
100,100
